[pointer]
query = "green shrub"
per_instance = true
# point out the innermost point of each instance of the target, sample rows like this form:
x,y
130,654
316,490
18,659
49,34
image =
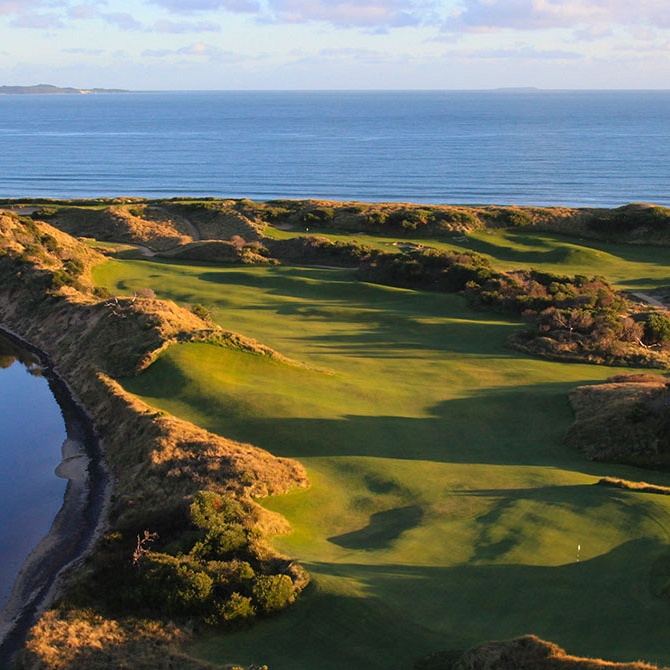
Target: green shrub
x,y
49,243
173,586
219,542
210,510
657,329
237,610
201,311
273,592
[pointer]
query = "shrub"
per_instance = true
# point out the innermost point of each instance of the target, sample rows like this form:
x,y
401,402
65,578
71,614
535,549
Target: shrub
x,y
173,586
238,609
219,542
210,510
657,329
273,592
201,311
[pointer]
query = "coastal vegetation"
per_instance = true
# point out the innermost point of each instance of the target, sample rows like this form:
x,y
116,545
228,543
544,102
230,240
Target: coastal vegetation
x,y
413,360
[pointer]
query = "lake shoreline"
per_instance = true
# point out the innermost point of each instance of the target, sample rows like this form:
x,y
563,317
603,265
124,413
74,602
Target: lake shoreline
x,y
78,523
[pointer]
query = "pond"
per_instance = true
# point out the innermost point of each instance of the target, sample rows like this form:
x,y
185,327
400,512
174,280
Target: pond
x,y
54,488
32,431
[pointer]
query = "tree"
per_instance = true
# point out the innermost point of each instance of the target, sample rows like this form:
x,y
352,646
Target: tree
x,y
273,592
657,329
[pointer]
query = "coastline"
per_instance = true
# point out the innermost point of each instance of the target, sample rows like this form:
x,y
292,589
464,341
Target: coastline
x,y
77,525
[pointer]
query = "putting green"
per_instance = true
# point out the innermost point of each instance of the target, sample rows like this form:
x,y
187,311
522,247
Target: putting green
x,y
444,509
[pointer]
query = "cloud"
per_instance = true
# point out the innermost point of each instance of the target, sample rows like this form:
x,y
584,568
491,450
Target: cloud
x,y
82,12
123,21
523,53
474,15
9,7
362,55
81,51
199,49
26,14
192,6
593,33
350,13
370,14
39,21
185,27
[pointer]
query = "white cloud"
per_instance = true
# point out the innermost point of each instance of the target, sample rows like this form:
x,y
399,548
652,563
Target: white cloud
x,y
192,6
27,15
523,53
476,15
350,13
9,7
363,55
122,20
82,12
37,21
172,27
83,52
593,33
370,14
198,49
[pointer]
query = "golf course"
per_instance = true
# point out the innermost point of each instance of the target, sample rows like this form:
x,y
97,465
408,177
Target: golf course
x,y
444,508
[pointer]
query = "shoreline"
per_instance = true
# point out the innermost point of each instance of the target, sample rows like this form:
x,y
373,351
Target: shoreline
x,y
76,526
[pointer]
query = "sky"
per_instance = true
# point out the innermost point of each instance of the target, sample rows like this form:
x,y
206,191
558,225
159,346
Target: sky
x,y
336,44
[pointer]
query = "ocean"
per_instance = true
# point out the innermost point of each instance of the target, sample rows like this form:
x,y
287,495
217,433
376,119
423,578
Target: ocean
x,y
573,148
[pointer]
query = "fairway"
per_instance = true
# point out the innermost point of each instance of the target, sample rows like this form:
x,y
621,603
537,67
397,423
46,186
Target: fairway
x,y
444,508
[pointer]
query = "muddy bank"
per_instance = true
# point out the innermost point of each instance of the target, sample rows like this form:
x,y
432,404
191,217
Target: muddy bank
x,y
76,525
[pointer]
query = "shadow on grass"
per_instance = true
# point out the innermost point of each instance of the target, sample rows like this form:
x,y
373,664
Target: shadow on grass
x,y
383,528
515,425
596,607
290,282
521,425
556,253
578,500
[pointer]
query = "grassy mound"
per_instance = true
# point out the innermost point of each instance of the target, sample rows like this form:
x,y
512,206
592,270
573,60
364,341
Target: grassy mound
x,y
623,421
219,251
221,219
82,640
136,224
523,653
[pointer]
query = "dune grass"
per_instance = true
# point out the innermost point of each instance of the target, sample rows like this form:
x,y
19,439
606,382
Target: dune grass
x,y
444,509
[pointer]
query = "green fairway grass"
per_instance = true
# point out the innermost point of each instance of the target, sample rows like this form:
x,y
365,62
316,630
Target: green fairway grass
x,y
444,508
627,265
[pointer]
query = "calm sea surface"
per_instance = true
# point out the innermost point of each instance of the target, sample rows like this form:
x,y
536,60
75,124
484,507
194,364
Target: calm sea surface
x,y
580,148
32,431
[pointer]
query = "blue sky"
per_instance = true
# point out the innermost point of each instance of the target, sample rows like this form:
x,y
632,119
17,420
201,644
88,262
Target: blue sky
x,y
336,44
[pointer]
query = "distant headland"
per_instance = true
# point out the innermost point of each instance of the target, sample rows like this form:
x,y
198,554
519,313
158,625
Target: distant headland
x,y
48,89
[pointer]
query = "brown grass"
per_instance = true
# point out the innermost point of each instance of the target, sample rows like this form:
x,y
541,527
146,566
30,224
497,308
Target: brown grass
x,y
531,653
135,225
624,422
642,487
81,640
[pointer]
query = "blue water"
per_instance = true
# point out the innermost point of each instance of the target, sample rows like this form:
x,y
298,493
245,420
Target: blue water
x,y
577,148
32,431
